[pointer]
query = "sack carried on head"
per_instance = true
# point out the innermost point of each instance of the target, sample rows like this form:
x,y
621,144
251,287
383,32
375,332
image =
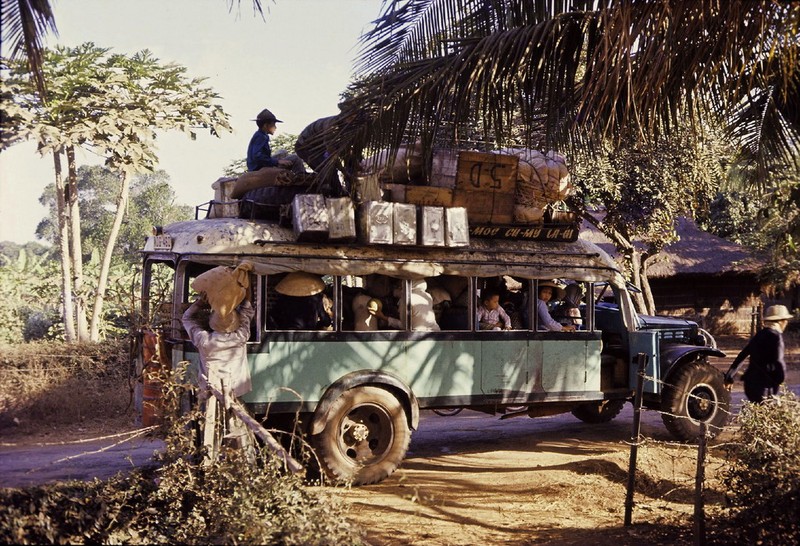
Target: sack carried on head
x,y
225,288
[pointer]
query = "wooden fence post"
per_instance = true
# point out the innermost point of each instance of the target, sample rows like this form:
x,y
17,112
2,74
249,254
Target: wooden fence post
x,y
635,436
699,484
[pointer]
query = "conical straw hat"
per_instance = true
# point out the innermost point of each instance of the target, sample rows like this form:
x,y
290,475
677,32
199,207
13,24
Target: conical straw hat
x,y
300,283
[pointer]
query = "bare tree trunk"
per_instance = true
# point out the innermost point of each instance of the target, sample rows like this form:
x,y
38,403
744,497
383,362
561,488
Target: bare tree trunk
x,y
647,292
634,259
76,248
632,256
122,205
63,243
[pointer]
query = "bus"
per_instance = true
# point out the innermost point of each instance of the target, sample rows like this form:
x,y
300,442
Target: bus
x,y
358,391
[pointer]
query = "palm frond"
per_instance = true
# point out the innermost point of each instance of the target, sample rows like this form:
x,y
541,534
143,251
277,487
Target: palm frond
x,y
24,24
566,72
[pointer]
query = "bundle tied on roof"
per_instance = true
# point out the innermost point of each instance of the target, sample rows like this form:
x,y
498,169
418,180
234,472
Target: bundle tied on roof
x,y
541,179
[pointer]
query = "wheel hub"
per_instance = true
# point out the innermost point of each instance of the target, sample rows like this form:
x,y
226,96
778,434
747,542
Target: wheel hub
x,y
359,432
701,403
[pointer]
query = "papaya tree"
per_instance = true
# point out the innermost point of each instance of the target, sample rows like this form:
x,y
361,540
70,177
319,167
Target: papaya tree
x,y
113,105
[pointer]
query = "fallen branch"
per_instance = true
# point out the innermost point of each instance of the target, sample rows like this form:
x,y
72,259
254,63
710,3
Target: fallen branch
x,y
268,439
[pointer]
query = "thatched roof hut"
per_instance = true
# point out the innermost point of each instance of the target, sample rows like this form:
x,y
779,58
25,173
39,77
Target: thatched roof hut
x,y
702,277
696,253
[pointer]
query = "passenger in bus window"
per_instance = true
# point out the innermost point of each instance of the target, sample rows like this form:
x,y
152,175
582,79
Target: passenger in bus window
x,y
300,304
548,289
568,310
455,316
491,315
373,307
422,315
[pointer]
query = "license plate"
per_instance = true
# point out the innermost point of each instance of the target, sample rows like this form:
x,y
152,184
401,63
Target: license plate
x,y
162,242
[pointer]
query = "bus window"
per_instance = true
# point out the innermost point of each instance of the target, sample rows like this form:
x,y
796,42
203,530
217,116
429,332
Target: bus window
x,y
569,310
299,301
372,302
157,300
450,300
423,317
497,299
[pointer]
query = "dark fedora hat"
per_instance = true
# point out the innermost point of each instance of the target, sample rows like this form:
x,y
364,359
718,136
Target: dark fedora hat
x,y
265,116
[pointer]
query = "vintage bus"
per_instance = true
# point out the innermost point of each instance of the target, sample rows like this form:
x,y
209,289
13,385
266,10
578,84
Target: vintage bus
x,y
358,393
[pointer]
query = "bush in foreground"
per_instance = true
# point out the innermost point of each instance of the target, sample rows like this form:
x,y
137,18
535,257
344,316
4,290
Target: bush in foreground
x,y
763,480
180,501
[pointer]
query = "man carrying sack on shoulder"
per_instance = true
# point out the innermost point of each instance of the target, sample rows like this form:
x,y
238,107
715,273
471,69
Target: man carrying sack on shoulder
x,y
767,368
222,344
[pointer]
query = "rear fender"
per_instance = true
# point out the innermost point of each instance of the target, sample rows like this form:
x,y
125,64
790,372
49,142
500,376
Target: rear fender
x,y
366,377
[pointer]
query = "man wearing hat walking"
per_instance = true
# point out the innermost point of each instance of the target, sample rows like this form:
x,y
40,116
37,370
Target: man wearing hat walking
x,y
259,153
767,368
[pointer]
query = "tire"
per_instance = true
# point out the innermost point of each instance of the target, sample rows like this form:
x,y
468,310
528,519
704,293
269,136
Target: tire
x,y
265,203
695,393
598,412
448,412
365,437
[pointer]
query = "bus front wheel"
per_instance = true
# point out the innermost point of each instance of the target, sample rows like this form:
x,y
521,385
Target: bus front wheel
x,y
695,394
365,438
598,412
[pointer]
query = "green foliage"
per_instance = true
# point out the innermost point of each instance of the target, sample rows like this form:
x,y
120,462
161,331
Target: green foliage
x,y
111,104
152,202
643,187
763,480
29,295
181,502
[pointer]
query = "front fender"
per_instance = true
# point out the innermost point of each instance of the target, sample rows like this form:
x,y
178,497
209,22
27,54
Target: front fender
x,y
672,354
365,377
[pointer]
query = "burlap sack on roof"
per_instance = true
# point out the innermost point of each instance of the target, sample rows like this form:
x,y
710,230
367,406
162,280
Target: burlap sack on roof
x,y
266,176
541,179
225,288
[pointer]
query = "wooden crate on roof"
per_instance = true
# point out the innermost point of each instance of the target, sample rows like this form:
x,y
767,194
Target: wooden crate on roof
x,y
485,186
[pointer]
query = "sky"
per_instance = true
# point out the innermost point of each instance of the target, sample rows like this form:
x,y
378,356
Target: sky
x,y
295,61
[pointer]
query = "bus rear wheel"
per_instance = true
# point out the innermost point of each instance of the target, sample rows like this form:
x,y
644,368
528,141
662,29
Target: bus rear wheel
x,y
695,394
365,438
598,412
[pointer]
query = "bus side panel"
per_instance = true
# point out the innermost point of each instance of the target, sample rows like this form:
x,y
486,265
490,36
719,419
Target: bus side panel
x,y
442,368
431,368
570,366
505,369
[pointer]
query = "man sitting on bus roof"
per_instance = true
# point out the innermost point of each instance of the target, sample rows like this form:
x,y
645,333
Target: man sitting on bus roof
x,y
259,153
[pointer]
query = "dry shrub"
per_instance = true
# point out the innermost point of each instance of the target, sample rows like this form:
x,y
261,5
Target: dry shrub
x,y
763,480
181,501
49,384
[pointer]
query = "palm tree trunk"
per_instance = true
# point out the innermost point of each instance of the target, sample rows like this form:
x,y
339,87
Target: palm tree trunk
x,y
122,205
63,243
76,247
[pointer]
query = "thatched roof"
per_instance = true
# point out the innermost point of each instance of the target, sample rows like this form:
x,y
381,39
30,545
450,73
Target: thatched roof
x,y
696,253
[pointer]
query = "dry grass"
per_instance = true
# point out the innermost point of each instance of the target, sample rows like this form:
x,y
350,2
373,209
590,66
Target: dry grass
x,y
55,390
